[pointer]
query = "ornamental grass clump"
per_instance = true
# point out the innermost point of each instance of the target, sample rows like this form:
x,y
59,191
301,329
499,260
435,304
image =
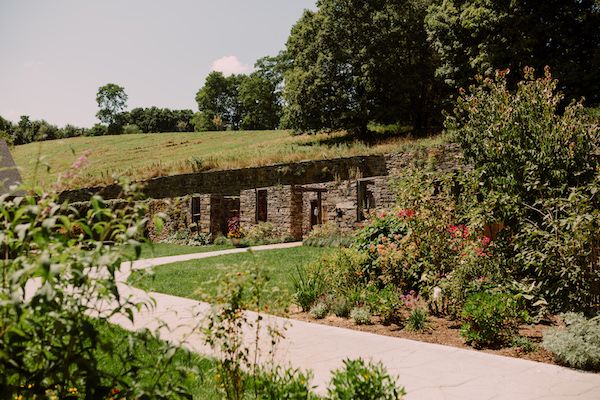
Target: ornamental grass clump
x,y
578,344
309,286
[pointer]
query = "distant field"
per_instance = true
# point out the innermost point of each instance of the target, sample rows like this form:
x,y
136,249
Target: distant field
x,y
145,156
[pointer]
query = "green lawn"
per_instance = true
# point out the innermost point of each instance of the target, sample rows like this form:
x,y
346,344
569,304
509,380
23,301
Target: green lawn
x,y
200,279
153,250
143,156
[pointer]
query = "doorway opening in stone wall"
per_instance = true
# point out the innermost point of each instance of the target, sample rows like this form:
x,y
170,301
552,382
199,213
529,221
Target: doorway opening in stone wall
x,y
261,206
365,199
231,210
316,212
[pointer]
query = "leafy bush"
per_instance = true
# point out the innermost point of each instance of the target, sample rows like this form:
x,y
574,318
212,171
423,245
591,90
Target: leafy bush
x,y
319,310
131,129
387,305
309,286
221,240
577,345
285,384
560,254
365,381
490,319
344,268
262,233
328,235
523,344
417,320
361,315
187,238
340,307
537,168
68,259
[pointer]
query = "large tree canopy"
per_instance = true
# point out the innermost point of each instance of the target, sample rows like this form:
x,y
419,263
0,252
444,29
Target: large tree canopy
x,y
479,36
239,101
355,62
112,100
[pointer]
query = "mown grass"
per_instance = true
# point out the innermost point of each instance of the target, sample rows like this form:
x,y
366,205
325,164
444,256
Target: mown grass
x,y
201,279
144,156
153,250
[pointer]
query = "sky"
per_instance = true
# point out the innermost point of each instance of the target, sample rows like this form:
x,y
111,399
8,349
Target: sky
x,y
55,54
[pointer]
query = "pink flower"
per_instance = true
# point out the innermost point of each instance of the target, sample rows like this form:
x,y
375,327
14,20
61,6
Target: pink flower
x,y
485,241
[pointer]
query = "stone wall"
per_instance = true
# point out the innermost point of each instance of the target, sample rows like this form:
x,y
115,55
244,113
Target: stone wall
x,y
232,182
288,205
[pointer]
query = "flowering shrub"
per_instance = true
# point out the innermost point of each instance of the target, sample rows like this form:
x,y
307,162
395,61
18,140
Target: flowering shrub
x,y
536,167
233,228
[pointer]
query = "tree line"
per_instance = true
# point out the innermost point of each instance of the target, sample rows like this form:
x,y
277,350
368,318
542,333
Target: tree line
x,y
351,63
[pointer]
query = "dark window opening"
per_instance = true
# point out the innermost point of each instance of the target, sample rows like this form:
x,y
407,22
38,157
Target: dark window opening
x,y
366,200
261,206
195,206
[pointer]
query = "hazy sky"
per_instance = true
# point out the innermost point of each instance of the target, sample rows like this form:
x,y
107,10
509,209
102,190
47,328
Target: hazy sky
x,y
54,54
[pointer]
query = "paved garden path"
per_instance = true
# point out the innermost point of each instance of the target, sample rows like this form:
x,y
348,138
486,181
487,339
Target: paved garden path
x,y
428,371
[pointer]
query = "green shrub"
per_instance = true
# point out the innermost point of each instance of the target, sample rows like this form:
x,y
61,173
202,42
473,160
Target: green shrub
x,y
328,235
131,129
417,320
309,285
577,345
285,384
261,234
364,381
361,315
523,343
344,269
221,240
48,341
387,305
490,319
537,169
340,307
319,310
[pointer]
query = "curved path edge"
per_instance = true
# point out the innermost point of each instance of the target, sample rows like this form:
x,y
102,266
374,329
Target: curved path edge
x,y
428,371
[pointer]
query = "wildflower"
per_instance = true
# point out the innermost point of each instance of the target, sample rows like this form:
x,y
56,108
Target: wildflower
x,y
486,241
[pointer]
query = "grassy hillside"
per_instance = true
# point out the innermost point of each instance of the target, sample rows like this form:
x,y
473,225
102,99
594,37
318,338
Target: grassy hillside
x,y
144,156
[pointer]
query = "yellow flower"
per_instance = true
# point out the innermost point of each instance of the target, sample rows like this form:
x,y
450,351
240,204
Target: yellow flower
x,y
72,390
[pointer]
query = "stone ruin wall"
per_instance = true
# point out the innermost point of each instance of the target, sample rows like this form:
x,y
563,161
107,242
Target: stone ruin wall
x,y
289,210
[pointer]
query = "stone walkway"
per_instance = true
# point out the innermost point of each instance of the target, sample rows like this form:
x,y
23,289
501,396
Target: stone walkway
x,y
427,371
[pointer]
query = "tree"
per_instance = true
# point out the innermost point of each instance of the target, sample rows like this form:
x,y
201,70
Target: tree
x,y
477,37
218,98
112,100
240,101
259,102
354,62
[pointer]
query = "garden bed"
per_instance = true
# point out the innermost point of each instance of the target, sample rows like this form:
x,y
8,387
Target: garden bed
x,y
440,331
